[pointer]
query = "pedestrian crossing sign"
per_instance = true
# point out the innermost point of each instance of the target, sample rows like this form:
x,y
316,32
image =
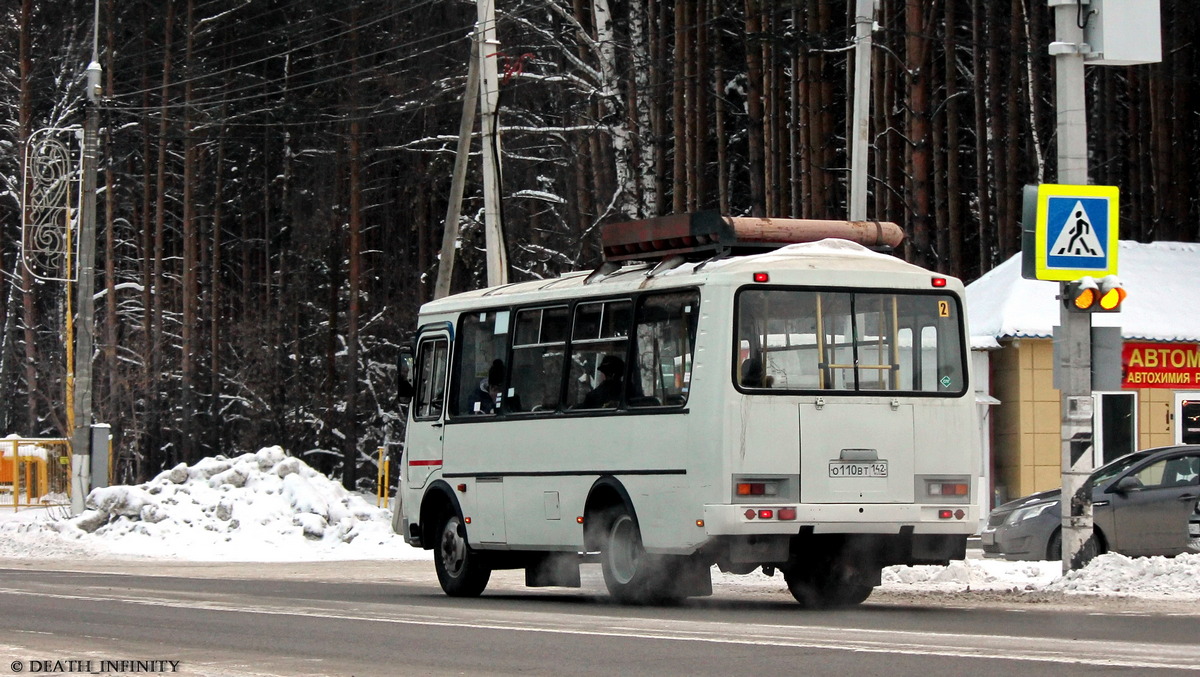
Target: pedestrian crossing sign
x,y
1076,231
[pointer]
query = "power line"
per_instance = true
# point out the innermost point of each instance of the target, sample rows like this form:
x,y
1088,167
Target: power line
x,y
286,52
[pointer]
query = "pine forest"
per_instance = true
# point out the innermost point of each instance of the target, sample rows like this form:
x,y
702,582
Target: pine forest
x,y
274,175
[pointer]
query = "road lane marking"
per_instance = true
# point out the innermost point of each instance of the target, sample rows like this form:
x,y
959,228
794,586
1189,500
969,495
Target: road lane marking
x,y
830,638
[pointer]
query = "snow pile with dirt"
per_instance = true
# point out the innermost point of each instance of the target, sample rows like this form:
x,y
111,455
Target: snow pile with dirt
x,y
1169,577
1176,578
263,506
974,574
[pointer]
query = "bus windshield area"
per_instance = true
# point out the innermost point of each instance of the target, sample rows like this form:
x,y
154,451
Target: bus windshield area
x,y
821,340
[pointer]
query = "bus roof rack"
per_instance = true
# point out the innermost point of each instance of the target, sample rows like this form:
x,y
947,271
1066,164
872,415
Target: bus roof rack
x,y
705,234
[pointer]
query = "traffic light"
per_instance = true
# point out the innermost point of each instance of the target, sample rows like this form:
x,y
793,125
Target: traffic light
x,y
1088,295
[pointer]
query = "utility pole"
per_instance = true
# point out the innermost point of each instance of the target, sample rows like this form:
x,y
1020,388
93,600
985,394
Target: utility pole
x,y
1073,348
860,129
81,476
488,50
454,208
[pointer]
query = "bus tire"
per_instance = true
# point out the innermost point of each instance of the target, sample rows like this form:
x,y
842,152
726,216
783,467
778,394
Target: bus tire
x,y
839,586
460,570
804,589
628,570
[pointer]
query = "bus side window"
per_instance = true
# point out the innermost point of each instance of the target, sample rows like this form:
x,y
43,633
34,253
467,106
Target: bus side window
x,y
539,345
430,388
599,330
483,339
664,337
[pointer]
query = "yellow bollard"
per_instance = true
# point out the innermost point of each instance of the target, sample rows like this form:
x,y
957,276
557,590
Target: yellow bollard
x,y
16,476
380,478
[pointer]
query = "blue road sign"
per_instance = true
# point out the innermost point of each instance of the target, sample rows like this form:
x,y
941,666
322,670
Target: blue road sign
x,y
1076,231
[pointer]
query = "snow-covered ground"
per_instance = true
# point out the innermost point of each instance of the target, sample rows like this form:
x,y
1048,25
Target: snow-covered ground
x,y
269,507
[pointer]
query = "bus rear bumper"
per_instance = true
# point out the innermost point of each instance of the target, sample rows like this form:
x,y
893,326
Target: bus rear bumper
x,y
840,518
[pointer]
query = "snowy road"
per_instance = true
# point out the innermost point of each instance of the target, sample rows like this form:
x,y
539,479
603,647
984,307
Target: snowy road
x,y
277,619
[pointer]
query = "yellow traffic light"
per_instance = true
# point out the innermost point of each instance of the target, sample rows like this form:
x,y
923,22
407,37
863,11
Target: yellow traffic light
x,y
1087,295
1110,301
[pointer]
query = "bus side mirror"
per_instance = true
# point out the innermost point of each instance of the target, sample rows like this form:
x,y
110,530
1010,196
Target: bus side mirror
x,y
404,367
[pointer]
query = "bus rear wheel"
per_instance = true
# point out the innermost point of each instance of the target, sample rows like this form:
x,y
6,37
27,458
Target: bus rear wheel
x,y
628,571
460,570
837,586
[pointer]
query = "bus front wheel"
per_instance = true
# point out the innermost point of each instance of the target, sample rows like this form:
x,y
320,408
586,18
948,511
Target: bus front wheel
x,y
460,569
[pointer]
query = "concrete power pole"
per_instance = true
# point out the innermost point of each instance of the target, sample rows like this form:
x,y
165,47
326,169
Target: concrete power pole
x,y
860,129
1073,348
81,475
454,207
487,52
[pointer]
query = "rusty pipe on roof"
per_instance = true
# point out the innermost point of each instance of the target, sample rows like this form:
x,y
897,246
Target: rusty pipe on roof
x,y
789,231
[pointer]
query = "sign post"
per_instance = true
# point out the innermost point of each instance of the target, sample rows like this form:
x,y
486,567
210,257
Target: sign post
x,y
1073,240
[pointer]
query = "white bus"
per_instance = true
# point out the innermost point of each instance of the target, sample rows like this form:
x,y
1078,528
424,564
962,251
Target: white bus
x,y
806,410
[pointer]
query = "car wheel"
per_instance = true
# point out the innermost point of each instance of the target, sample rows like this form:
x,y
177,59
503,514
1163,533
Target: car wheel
x,y
1054,547
460,570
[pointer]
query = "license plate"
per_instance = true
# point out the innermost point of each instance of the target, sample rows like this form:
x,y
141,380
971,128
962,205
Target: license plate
x,y
858,469
988,538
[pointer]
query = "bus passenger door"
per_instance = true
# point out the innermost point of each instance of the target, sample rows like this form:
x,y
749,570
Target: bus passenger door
x,y
423,447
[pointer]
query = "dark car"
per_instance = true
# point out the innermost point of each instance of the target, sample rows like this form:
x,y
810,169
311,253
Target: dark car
x,y
1144,503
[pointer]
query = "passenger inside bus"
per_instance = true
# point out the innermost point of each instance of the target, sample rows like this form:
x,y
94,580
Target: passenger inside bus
x,y
608,393
485,397
753,375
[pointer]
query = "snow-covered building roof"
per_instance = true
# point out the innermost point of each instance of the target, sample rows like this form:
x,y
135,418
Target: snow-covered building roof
x,y
1162,279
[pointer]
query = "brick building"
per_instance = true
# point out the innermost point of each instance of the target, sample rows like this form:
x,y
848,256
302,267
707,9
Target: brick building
x,y
1147,403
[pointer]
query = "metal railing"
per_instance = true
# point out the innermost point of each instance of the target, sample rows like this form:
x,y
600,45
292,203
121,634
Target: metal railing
x,y
35,472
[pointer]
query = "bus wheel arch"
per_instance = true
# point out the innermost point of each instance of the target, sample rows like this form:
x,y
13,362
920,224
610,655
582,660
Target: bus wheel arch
x,y
606,496
438,501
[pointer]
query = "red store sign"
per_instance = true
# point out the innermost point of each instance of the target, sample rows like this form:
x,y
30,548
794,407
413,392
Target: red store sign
x,y
1160,365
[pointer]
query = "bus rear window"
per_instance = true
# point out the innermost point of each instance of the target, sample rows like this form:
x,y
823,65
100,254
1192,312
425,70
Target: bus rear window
x,y
801,340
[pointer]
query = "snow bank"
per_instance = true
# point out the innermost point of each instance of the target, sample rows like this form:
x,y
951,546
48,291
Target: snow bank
x,y
1169,578
974,574
264,506
1175,578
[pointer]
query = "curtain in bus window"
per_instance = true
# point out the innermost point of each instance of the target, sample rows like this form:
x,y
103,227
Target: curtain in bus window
x,y
599,348
483,341
664,337
539,346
